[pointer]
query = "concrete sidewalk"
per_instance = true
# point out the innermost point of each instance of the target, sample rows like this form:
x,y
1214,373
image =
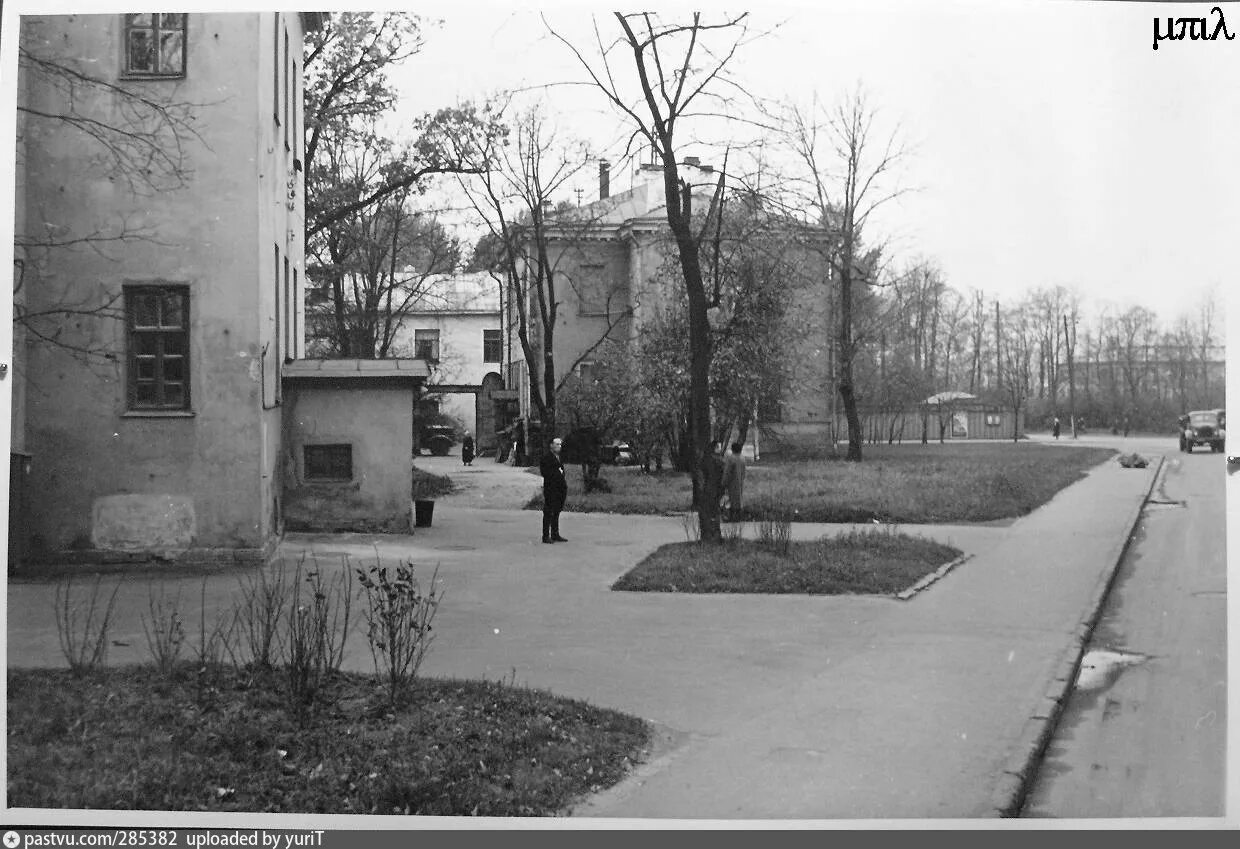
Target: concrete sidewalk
x,y
768,706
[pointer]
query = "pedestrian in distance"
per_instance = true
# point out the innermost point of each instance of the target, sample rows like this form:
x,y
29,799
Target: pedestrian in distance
x,y
713,470
1055,428
555,491
734,482
467,450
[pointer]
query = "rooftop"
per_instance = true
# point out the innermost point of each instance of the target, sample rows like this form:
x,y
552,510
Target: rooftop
x,y
405,367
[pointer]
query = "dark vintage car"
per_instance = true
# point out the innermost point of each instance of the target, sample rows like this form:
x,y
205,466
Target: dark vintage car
x,y
1203,427
437,439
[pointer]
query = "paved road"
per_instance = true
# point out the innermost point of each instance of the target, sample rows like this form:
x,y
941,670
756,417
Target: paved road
x,y
1144,734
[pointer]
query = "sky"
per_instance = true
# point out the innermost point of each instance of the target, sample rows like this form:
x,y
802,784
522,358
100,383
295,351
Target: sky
x,y
1049,144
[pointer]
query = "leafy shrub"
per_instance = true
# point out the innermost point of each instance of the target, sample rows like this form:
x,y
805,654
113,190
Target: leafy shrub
x,y
398,619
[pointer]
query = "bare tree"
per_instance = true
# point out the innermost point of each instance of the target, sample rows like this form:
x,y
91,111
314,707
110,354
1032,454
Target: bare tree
x,y
676,69
1070,320
347,89
360,183
827,142
535,248
1017,345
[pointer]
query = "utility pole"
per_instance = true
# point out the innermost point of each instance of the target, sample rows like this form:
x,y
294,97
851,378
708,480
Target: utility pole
x,y
1069,337
998,351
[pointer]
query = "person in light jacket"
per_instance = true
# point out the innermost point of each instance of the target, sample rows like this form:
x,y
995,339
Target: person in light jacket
x,y
734,482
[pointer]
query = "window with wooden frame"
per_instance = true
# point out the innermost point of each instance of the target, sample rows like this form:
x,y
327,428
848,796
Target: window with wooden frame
x,y
275,70
297,151
492,346
426,345
157,342
328,462
287,97
155,45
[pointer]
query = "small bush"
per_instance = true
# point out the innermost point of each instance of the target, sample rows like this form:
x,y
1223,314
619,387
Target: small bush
x,y
264,599
164,630
732,532
693,531
315,631
398,619
215,640
83,627
775,534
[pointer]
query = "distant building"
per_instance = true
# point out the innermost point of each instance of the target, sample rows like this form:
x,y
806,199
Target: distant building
x,y
149,422
609,255
456,327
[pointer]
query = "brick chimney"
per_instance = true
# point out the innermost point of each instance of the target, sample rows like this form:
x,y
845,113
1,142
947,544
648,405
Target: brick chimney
x,y
604,179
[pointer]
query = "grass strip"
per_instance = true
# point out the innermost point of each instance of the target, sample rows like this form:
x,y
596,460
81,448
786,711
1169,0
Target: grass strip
x,y
858,562
132,738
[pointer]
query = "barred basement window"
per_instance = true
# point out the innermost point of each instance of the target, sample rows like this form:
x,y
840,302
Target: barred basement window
x,y
328,462
157,341
155,45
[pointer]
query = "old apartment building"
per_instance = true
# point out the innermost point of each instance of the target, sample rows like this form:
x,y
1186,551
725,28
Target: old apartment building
x,y
159,266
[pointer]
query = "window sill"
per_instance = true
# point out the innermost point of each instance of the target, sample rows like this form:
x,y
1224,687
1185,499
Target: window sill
x,y
158,414
133,77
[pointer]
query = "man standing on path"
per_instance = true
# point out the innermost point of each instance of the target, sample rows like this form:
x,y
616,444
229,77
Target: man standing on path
x,y
734,482
555,491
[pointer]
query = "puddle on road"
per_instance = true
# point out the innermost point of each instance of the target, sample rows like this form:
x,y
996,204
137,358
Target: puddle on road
x,y
1100,668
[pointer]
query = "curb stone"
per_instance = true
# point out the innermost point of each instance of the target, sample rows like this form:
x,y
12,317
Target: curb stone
x,y
934,576
1016,778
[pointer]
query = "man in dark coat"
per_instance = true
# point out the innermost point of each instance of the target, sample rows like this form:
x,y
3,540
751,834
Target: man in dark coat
x,y
555,491
467,449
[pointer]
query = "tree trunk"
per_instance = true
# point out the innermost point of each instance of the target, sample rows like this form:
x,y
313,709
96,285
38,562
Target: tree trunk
x,y
847,392
705,475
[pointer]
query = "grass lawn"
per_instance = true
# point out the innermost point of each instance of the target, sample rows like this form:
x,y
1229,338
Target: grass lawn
x,y
882,562
906,484
133,738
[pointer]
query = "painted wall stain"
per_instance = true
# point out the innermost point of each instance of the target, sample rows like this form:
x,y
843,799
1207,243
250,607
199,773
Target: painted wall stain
x,y
143,522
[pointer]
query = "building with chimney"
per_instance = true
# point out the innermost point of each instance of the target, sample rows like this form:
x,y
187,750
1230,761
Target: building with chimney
x,y
615,259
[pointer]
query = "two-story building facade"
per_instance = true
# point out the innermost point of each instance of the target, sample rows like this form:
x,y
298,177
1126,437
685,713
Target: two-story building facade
x,y
615,267
455,326
160,268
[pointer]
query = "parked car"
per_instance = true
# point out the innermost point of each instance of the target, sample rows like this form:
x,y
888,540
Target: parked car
x,y
1203,427
624,454
437,439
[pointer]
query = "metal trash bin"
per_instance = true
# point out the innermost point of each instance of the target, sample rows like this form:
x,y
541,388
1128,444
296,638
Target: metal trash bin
x,y
423,512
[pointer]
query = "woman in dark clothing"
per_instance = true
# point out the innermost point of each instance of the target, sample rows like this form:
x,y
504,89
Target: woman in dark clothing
x,y
555,491
467,449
